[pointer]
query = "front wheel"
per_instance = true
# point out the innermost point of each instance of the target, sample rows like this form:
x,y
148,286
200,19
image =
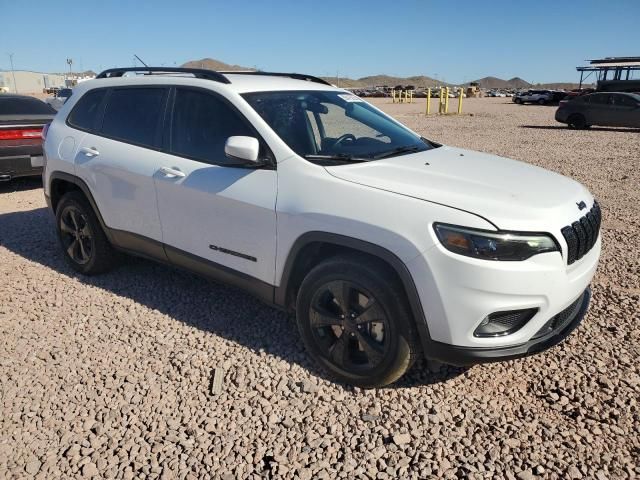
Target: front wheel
x,y
577,121
542,101
356,323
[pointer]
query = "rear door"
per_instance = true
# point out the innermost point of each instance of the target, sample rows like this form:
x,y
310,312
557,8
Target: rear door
x,y
210,210
626,111
599,111
119,157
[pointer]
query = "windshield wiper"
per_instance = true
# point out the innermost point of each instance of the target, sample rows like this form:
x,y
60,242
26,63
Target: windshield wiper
x,y
397,151
340,157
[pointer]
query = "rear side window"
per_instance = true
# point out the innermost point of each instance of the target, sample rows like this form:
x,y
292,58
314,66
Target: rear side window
x,y
133,115
85,113
24,106
624,101
201,124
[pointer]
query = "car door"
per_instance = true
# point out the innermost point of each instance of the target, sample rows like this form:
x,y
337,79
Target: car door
x,y
599,111
119,157
626,111
214,214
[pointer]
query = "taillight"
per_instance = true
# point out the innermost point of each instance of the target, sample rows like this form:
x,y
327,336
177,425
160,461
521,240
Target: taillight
x,y
45,129
20,133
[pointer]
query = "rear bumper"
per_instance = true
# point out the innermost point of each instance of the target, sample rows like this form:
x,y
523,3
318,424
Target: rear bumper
x,y
464,356
20,161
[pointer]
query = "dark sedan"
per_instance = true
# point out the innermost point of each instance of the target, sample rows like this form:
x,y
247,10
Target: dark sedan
x,y
22,119
601,108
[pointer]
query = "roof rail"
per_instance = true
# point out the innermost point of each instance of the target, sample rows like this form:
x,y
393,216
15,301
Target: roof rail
x,y
296,76
216,76
196,72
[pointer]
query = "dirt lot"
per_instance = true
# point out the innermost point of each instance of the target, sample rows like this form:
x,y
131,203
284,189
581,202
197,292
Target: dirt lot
x,y
110,376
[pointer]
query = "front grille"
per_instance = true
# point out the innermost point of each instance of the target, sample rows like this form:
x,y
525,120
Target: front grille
x,y
581,235
559,321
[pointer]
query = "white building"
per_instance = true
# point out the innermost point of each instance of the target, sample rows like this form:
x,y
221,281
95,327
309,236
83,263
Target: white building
x,y
29,82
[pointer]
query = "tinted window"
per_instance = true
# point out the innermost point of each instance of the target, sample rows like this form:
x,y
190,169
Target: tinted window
x,y
201,125
599,99
65,92
624,100
85,112
24,106
133,115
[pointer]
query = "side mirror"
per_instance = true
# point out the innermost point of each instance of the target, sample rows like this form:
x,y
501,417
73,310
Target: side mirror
x,y
242,149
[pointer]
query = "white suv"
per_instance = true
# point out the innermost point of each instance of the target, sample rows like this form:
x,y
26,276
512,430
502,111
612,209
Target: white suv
x,y
387,246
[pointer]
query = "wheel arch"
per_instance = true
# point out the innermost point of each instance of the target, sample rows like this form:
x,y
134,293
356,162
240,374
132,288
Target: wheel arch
x,y
313,247
61,183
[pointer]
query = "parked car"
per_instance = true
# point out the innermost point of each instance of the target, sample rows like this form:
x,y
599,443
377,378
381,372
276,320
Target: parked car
x,y
605,109
386,246
558,95
540,97
59,97
22,119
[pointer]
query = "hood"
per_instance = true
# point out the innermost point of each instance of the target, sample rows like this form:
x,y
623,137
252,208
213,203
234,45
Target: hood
x,y
510,194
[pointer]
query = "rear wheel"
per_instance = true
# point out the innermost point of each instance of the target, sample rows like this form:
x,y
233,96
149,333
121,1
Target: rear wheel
x,y
542,101
85,246
577,121
517,100
355,322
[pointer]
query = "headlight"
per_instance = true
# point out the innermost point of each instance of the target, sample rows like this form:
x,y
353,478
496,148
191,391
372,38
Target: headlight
x,y
509,246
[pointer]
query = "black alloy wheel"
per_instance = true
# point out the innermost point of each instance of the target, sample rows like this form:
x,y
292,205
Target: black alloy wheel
x,y
349,326
85,246
355,321
76,235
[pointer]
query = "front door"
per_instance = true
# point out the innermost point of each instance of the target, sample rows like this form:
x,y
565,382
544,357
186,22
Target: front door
x,y
210,211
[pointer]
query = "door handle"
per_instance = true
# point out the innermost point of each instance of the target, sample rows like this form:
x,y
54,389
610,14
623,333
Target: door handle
x,y
90,151
172,172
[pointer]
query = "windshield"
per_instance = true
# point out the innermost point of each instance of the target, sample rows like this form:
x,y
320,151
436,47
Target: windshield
x,y
333,126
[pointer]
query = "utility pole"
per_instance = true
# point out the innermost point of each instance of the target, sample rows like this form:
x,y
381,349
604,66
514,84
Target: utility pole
x,y
13,74
69,62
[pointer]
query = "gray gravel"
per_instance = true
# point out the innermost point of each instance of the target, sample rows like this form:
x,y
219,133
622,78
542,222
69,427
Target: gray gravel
x,y
114,376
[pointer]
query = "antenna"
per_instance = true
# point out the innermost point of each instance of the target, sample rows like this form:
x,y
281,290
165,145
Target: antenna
x,y
140,60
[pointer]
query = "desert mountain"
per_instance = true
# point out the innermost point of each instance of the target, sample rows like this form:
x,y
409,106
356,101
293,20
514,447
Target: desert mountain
x,y
419,81
212,64
494,82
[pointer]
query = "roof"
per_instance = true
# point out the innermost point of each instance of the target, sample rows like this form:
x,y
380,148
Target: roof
x,y
16,95
611,62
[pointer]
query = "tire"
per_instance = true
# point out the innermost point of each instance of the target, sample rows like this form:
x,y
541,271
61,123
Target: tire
x,y
77,223
371,347
577,121
542,101
518,101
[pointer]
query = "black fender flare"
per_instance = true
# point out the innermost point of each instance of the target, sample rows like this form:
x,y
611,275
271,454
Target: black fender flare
x,y
386,256
81,184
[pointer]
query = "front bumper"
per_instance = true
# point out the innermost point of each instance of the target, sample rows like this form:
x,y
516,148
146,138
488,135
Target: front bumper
x,y
568,320
456,293
561,115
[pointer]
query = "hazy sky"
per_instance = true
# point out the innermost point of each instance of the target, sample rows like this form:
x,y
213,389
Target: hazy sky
x,y
540,41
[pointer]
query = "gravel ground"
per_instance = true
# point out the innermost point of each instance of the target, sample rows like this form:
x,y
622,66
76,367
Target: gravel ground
x,y
112,376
